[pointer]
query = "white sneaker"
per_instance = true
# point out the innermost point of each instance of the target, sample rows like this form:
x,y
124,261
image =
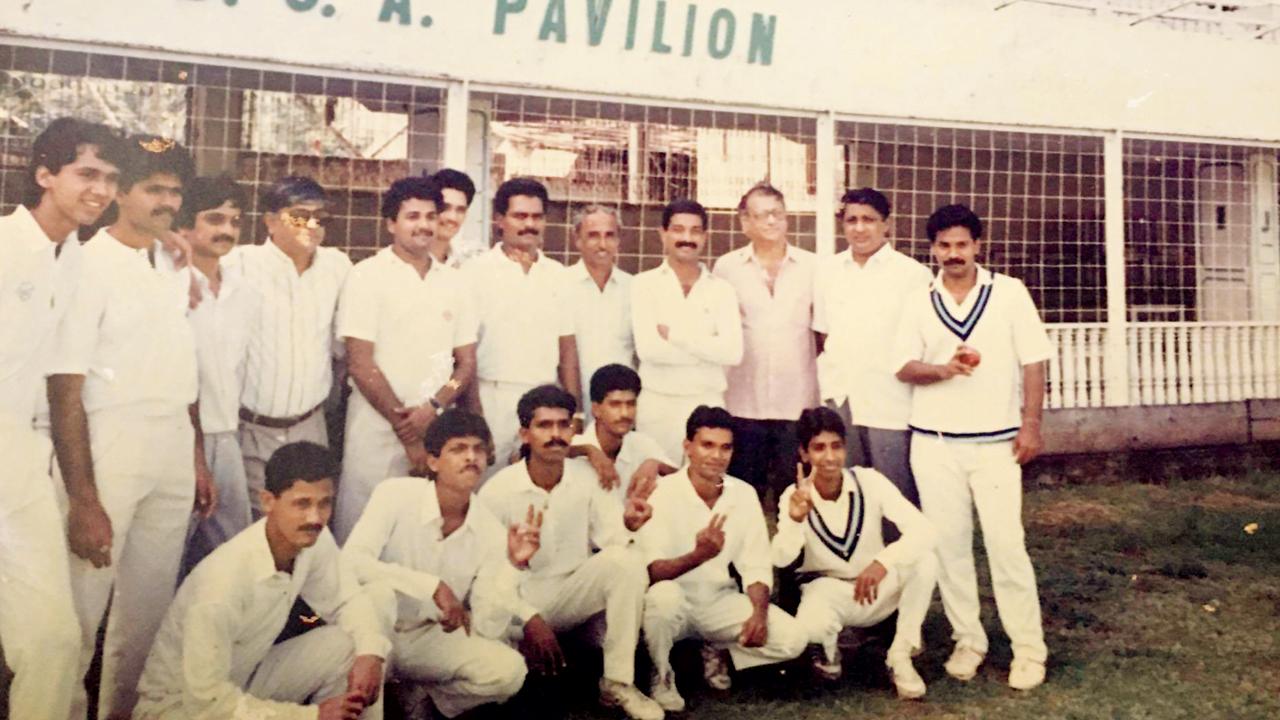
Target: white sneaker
x,y
963,663
1025,674
634,703
827,670
715,668
905,678
663,691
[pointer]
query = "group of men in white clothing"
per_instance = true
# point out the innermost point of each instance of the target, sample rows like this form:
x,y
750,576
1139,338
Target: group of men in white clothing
x,y
529,449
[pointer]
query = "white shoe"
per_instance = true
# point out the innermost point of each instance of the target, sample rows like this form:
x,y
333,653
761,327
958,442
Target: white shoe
x,y
634,703
663,691
963,663
715,668
1025,674
827,670
905,678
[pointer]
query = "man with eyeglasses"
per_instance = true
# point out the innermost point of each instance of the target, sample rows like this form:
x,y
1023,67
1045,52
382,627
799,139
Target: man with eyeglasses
x,y
777,377
288,366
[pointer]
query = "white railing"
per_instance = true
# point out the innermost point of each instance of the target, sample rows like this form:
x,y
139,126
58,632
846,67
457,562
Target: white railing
x,y
1166,363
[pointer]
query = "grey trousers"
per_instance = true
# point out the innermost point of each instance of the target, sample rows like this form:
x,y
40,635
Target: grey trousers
x,y
888,451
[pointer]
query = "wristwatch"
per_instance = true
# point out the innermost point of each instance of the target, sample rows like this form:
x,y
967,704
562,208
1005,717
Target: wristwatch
x,y
435,404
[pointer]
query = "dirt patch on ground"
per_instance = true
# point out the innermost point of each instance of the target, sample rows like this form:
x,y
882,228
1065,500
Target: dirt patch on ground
x,y
1229,501
1075,513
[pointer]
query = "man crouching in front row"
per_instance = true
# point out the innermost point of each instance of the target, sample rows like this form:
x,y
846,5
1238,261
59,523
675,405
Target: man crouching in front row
x,y
215,655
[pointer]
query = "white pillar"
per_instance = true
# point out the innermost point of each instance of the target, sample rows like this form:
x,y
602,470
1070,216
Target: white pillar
x,y
825,203
1116,352
456,106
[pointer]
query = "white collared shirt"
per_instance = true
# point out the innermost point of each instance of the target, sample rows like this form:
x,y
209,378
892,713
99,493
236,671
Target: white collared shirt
x,y
38,282
704,331
1000,321
858,308
398,541
679,513
414,322
288,369
577,516
127,332
521,316
777,377
601,320
221,327
228,613
636,449
841,537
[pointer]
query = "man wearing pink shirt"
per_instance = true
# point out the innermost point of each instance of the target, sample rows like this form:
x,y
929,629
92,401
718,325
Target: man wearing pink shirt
x,y
777,377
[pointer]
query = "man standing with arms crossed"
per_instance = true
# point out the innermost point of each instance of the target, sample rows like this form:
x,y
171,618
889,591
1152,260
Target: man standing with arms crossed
x,y
687,330
598,294
289,365
411,347
72,178
857,303
777,377
525,332
973,345
122,393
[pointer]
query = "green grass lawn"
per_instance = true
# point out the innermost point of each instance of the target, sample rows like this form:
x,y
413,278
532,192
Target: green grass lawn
x,y
1157,604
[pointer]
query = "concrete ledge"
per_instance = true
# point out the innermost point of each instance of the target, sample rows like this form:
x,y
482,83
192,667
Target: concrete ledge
x,y
1087,430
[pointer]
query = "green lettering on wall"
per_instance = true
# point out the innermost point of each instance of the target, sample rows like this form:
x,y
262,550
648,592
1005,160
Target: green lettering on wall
x,y
659,20
553,21
689,18
762,39
398,8
597,16
632,15
504,8
720,35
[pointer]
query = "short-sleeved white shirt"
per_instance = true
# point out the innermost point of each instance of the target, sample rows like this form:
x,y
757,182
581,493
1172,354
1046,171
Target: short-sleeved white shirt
x,y
636,449
601,320
521,317
858,308
37,284
1000,321
127,332
704,331
679,513
414,322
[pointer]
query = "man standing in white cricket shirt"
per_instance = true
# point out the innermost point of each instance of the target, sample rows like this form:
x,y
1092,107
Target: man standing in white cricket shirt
x,y
857,303
216,656
410,334
598,294
973,345
457,191
122,393
687,329
525,330
72,178
289,365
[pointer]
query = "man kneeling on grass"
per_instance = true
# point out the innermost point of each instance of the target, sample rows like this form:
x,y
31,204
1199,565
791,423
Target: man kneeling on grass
x,y
216,655
833,516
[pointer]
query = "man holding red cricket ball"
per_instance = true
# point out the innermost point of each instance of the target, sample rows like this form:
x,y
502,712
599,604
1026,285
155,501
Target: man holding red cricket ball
x,y
974,348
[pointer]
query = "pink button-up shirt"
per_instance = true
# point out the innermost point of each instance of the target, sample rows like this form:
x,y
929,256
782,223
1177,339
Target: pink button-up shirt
x,y
777,377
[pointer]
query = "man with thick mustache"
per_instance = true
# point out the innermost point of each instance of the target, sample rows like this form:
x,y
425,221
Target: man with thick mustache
x,y
126,429
72,177
687,330
410,335
525,334
567,584
210,220
291,351
973,346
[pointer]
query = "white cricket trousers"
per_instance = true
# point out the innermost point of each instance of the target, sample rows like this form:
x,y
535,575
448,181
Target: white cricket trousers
x,y
613,581
39,630
307,669
460,671
145,471
232,514
498,400
827,607
372,453
663,417
670,614
953,478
